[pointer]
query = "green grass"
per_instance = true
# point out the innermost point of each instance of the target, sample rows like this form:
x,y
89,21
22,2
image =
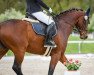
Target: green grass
x,y
76,38
73,48
85,48
71,38
9,53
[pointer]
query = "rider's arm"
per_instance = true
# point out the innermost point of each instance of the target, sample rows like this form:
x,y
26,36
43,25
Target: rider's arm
x,y
43,4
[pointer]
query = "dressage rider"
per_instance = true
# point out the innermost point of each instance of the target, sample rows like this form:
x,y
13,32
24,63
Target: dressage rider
x,y
34,8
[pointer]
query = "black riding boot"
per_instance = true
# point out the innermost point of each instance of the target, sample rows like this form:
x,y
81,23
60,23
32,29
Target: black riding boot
x,y
51,29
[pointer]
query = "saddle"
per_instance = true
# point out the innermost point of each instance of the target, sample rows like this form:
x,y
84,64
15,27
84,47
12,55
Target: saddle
x,y
38,27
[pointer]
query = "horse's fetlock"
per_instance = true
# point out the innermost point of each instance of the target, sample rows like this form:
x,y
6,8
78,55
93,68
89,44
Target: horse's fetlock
x,y
14,68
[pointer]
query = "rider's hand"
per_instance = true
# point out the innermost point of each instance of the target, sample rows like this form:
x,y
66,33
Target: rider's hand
x,y
44,11
50,10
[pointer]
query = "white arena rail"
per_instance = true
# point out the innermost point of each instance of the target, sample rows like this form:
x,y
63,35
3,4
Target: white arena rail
x,y
79,43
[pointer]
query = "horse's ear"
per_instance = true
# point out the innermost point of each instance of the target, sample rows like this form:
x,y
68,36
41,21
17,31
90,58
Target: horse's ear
x,y
87,13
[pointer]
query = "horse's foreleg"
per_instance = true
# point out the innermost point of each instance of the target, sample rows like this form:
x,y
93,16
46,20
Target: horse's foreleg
x,y
19,56
63,59
3,52
54,60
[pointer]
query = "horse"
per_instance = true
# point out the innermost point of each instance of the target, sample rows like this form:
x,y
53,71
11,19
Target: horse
x,y
19,36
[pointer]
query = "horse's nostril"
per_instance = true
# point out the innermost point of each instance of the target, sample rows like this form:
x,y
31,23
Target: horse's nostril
x,y
86,37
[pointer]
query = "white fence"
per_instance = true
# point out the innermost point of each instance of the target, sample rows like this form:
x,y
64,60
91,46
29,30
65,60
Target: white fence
x,y
79,43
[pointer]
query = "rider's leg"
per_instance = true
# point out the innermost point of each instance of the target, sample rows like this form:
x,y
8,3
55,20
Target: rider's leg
x,y
48,21
49,33
41,16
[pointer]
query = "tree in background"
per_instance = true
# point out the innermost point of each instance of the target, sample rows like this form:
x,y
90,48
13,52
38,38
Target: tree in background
x,y
11,14
57,6
8,4
91,25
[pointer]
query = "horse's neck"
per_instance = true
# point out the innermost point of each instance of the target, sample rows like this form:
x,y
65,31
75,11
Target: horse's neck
x,y
70,17
66,24
66,30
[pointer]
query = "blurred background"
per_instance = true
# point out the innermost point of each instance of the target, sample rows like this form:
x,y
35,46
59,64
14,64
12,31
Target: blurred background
x,y
76,48
15,9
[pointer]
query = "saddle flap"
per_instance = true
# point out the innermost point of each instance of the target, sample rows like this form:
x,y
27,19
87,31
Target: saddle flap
x,y
39,28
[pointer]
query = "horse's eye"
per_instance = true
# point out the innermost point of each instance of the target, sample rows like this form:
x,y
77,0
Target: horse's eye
x,y
85,21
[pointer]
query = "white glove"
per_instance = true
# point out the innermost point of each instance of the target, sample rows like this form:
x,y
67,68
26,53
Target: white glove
x,y
50,10
44,11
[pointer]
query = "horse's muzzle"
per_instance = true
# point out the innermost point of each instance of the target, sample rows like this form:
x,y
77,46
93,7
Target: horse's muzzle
x,y
84,37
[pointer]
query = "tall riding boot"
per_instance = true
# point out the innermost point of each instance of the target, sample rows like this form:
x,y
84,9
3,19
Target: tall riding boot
x,y
49,33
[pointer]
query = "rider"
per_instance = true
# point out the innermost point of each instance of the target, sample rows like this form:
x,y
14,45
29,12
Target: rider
x,y
34,8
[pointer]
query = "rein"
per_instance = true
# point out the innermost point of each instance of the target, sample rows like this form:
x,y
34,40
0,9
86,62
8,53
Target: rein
x,y
80,30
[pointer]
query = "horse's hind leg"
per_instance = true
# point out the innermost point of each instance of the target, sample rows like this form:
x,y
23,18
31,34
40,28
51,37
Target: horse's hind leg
x,y
19,56
3,52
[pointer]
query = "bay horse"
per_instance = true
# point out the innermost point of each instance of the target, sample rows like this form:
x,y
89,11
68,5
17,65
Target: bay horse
x,y
19,36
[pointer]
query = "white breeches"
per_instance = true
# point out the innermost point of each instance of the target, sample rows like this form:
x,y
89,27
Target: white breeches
x,y
41,16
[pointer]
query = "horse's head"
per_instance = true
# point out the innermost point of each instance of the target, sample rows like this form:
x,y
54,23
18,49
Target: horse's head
x,y
82,24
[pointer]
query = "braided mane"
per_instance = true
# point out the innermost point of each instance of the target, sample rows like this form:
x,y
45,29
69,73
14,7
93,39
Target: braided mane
x,y
56,18
69,10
